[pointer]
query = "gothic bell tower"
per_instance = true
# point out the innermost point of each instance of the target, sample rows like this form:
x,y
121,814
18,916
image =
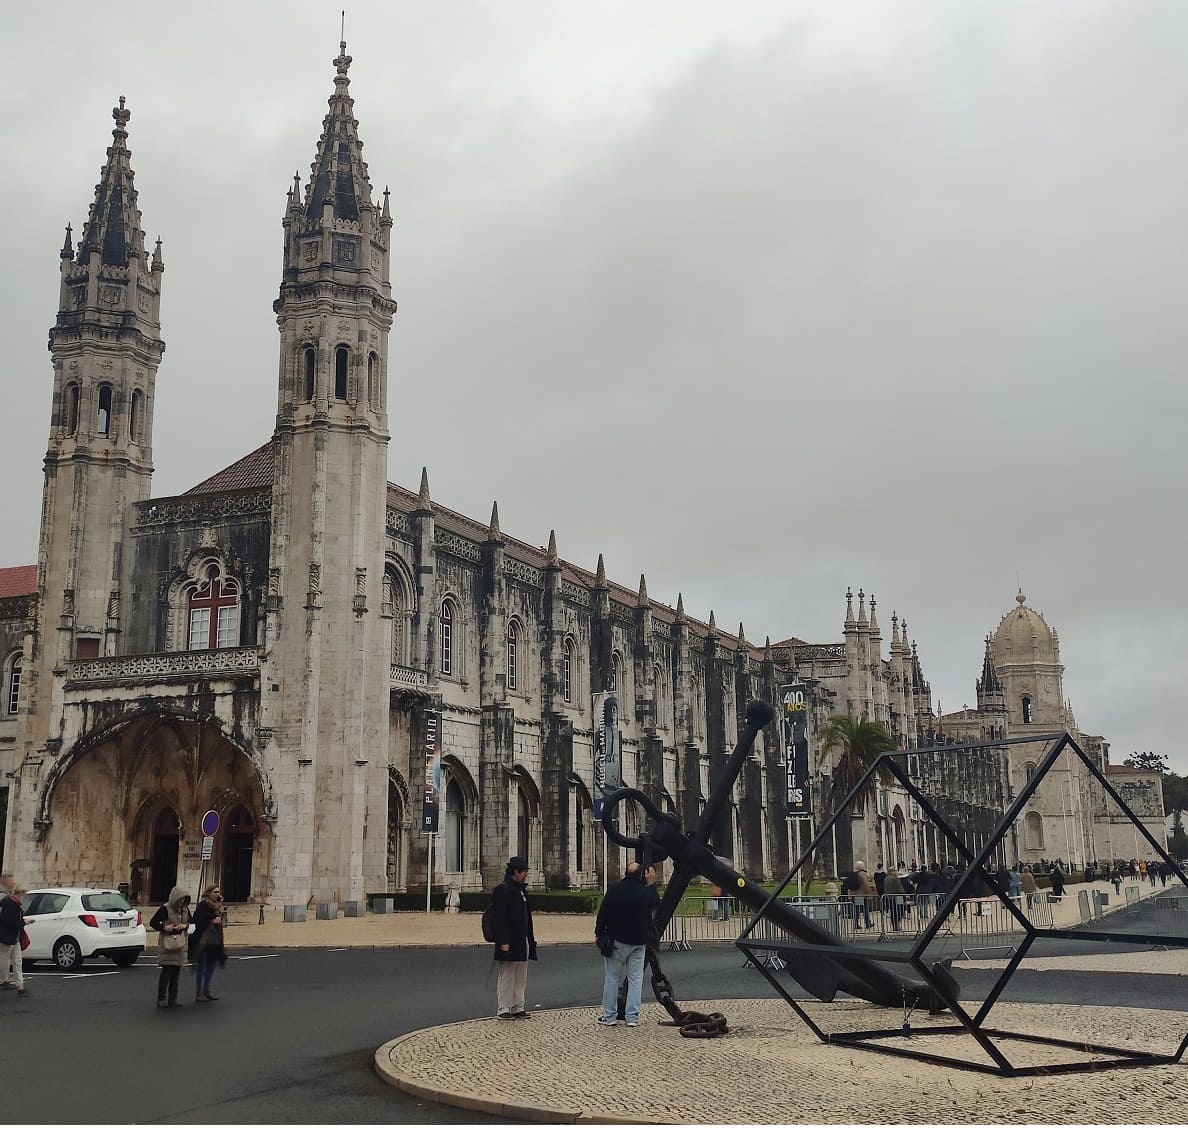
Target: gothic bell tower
x,y
327,652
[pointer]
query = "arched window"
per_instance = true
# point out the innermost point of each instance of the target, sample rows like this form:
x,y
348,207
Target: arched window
x,y
135,415
661,697
447,637
513,655
613,683
14,683
214,612
567,672
1026,709
523,822
1033,831
581,816
1028,771
307,360
341,356
103,418
372,379
455,827
71,409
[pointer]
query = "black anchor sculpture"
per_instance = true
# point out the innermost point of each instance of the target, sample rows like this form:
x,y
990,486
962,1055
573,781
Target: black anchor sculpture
x,y
819,974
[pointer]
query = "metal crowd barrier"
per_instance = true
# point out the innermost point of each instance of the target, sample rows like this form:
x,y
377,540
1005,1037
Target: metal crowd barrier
x,y
978,924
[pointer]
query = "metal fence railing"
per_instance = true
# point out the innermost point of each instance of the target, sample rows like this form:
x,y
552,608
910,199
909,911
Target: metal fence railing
x,y
977,923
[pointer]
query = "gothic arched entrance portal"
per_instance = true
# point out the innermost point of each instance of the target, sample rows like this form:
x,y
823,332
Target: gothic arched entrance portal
x,y
137,792
239,838
163,855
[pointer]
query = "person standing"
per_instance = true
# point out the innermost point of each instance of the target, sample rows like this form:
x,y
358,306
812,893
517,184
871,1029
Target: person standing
x,y
1057,877
12,924
858,882
206,943
626,919
8,982
172,923
893,896
515,943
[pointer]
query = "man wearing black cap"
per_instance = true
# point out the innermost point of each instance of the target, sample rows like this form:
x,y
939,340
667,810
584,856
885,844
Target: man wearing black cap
x,y
515,943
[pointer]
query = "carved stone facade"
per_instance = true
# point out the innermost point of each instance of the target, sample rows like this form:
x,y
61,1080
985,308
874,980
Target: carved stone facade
x,y
270,644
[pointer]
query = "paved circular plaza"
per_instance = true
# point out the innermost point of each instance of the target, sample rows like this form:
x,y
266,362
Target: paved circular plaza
x,y
560,1066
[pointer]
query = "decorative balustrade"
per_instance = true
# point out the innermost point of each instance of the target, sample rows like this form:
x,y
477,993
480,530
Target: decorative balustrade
x,y
174,664
405,677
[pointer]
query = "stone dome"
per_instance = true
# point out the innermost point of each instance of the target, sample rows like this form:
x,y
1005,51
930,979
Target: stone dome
x,y
1023,636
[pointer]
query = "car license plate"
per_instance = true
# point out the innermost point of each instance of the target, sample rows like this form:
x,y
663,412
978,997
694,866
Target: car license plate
x,y
118,923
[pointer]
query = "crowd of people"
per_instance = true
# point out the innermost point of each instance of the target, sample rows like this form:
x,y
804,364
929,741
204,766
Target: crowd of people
x,y
864,891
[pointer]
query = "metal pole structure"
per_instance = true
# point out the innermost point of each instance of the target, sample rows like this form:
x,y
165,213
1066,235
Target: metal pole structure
x,y
429,874
799,869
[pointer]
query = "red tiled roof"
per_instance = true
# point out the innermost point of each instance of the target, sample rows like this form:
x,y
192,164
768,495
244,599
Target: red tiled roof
x,y
251,472
18,581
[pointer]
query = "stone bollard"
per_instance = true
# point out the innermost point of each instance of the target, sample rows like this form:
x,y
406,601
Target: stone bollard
x,y
354,908
327,910
292,913
261,920
383,904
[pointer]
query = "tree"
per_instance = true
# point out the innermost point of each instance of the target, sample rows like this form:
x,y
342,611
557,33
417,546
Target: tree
x,y
859,744
1147,762
1177,845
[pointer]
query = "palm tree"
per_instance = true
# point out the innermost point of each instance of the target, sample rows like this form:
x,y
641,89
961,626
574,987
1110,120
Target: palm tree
x,y
859,743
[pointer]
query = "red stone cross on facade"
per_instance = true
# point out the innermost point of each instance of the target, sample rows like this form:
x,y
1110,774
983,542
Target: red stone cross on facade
x,y
214,594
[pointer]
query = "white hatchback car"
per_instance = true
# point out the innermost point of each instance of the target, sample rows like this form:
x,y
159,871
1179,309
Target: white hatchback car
x,y
70,925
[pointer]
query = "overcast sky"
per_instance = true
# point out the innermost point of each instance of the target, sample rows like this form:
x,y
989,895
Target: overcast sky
x,y
763,300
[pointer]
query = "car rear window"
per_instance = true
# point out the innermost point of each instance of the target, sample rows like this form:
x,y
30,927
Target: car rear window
x,y
44,903
105,902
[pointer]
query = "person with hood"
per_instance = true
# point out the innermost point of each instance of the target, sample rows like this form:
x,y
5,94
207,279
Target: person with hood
x,y
515,943
12,924
206,943
172,923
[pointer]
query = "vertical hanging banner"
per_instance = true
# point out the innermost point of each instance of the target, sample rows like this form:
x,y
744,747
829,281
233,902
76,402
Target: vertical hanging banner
x,y
429,806
796,766
608,757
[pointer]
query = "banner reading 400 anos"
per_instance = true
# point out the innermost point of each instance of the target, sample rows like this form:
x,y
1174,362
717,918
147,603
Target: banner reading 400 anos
x,y
794,714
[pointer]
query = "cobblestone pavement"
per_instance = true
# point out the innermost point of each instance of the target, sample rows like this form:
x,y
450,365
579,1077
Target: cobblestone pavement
x,y
561,1066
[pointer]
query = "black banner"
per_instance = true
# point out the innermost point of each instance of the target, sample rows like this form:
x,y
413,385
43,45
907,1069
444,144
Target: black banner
x,y
429,807
796,758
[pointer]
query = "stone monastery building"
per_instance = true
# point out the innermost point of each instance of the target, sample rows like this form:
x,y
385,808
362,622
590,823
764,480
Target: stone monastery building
x,y
271,643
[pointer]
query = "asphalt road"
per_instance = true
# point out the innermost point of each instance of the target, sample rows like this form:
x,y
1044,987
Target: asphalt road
x,y
293,1035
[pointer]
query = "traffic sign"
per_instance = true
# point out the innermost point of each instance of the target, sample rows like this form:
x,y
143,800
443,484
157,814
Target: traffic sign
x,y
207,847
210,824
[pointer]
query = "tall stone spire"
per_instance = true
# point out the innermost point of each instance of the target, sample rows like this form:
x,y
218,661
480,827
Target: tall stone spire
x,y
643,600
849,608
338,175
113,230
493,533
424,503
862,622
552,560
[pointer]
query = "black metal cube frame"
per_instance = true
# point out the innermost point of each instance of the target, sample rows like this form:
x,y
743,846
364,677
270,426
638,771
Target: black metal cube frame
x,y
972,1024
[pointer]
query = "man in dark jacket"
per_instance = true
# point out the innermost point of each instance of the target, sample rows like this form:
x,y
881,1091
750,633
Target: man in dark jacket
x,y
515,943
625,919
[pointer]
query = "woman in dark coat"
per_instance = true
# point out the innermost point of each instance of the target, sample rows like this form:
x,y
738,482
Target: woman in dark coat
x,y
206,943
515,943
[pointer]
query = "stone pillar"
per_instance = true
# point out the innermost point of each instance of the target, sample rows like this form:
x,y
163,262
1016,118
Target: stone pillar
x,y
557,808
496,758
